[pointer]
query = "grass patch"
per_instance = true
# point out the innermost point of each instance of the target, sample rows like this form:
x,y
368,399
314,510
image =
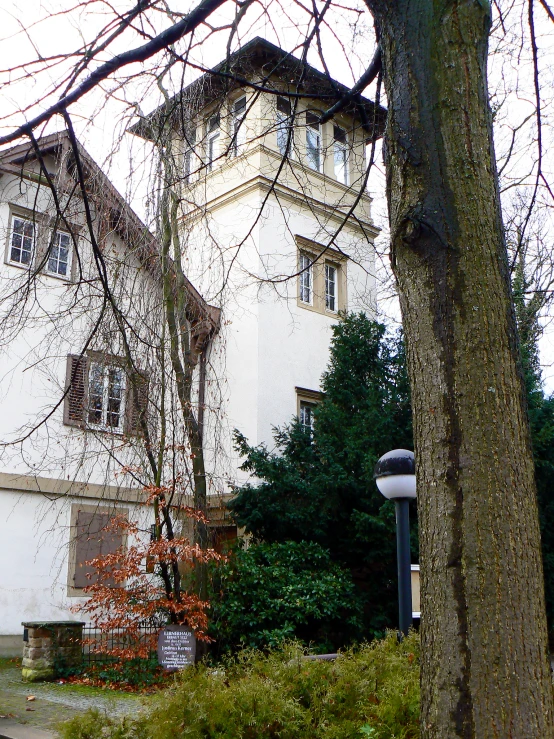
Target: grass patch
x,y
9,663
369,692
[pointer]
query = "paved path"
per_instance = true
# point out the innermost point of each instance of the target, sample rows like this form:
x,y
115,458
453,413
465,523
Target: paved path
x,y
54,703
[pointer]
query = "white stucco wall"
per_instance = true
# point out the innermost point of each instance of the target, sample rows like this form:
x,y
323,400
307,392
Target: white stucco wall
x,y
34,551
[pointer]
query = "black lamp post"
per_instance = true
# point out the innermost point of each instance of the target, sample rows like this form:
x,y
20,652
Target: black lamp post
x,y
395,478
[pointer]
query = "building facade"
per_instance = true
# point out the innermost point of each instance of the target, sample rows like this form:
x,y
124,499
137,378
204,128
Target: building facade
x,y
275,237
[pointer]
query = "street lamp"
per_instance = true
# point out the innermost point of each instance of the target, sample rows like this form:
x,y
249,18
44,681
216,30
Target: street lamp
x,y
395,478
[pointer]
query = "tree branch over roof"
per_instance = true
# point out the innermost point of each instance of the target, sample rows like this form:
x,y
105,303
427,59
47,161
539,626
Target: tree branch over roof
x,y
367,78
140,54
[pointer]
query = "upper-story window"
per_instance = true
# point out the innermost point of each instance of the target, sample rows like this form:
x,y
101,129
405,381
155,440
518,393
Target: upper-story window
x,y
306,403
306,279
321,278
101,395
313,142
22,242
238,131
189,155
284,127
340,154
212,145
59,255
331,287
306,416
106,396
32,244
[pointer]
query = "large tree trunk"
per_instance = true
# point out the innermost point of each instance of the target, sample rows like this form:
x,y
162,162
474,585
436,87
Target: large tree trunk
x,y
485,670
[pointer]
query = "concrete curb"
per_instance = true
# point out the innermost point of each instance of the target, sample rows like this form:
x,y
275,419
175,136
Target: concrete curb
x,y
10,729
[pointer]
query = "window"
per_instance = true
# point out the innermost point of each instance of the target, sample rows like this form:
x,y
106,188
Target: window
x,y
59,255
222,538
238,132
313,142
213,141
321,277
306,401
306,415
284,127
330,287
306,278
91,537
340,153
101,395
106,396
189,163
22,241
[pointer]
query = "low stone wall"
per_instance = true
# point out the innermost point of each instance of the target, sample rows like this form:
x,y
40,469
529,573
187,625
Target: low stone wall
x,y
49,646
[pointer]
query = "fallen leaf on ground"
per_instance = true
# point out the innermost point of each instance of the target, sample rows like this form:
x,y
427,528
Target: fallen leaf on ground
x,y
31,698
30,709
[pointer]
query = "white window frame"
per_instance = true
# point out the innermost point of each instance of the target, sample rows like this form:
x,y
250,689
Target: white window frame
x,y
53,245
284,128
188,157
105,369
340,156
238,128
18,263
331,287
313,143
306,279
212,142
305,407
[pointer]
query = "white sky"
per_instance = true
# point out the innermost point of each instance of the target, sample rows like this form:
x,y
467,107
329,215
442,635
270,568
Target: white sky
x,y
55,27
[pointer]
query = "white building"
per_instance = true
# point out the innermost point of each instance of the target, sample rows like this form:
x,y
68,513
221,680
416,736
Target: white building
x,y
276,249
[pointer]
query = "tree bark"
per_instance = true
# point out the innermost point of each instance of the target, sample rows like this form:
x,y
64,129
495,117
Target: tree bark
x,y
485,670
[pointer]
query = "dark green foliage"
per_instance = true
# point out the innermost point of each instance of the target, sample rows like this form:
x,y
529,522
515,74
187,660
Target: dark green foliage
x,y
272,592
319,487
541,419
372,692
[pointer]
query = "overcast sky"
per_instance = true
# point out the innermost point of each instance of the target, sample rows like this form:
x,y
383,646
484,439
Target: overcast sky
x,y
52,28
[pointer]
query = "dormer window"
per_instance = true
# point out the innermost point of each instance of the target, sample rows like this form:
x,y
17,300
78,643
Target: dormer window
x,y
238,131
313,142
213,141
284,127
340,154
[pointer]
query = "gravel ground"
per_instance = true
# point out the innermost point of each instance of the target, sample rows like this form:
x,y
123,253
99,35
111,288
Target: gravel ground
x,y
54,702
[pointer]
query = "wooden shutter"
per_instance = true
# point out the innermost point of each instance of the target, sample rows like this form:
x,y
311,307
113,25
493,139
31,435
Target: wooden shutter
x,y
76,390
137,383
90,542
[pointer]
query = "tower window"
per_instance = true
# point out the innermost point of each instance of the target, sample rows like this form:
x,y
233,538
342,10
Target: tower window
x,y
313,142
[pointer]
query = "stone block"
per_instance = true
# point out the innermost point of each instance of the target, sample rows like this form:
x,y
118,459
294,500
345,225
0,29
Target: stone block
x,y
35,654
34,642
35,674
39,633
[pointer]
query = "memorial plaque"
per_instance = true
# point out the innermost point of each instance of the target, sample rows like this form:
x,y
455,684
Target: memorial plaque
x,y
176,647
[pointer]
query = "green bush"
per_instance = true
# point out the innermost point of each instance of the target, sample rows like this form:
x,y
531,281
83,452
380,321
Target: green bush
x,y
272,592
370,692
318,485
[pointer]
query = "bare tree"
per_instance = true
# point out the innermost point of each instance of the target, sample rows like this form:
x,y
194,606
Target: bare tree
x,y
485,671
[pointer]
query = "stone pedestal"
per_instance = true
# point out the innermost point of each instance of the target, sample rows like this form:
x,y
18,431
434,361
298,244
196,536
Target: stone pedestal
x,y
50,646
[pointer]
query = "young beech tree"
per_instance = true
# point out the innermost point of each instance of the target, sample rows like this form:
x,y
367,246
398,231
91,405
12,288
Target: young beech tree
x,y
318,485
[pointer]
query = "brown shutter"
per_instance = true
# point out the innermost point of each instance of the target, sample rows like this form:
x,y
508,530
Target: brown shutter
x,y
139,383
92,541
76,390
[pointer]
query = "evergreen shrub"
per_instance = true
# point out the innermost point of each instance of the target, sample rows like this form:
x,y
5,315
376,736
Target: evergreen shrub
x,y
370,692
269,593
